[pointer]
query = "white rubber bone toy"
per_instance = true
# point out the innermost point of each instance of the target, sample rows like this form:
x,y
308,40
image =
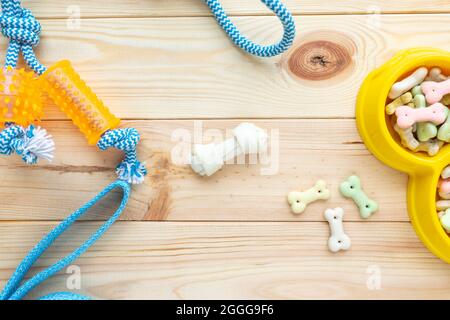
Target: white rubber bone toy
x,y
338,239
299,200
207,159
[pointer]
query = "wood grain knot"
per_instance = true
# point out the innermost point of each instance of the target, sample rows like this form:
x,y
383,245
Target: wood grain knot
x,y
319,60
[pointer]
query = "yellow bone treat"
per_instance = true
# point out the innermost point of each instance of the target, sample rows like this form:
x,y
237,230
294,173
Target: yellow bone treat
x,y
20,97
71,94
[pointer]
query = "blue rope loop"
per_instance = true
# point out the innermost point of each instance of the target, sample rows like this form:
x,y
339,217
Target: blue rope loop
x,y
23,30
245,44
130,169
15,291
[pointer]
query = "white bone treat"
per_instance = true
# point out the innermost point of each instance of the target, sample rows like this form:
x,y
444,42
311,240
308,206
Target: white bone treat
x,y
436,75
442,205
445,173
300,200
338,239
431,147
407,137
207,159
408,83
445,196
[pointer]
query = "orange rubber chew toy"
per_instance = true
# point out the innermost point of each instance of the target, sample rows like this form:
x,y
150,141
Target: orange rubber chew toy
x,y
71,94
21,99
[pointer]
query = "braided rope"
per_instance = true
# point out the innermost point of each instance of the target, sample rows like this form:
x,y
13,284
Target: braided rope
x,y
31,143
130,169
13,290
23,30
245,44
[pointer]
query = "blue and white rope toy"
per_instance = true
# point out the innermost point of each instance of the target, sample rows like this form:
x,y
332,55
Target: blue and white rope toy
x,y
23,30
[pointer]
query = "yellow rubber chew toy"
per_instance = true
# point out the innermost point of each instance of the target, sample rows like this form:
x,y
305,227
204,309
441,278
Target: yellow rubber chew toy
x,y
71,94
380,138
21,98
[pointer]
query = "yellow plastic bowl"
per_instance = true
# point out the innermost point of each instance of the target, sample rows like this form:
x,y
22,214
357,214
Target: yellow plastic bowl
x,y
381,139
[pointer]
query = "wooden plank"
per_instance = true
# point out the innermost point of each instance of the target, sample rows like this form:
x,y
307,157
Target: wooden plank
x,y
236,261
157,8
301,152
187,68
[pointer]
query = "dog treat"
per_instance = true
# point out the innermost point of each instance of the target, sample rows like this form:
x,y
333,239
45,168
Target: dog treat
x,y
435,74
445,173
445,220
442,205
446,99
416,91
207,159
407,137
408,83
404,99
299,200
338,239
351,188
435,91
444,131
444,186
431,147
407,116
425,130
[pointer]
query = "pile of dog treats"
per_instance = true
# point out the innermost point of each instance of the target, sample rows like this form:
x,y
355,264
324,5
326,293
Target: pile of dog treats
x,y
418,108
419,112
443,203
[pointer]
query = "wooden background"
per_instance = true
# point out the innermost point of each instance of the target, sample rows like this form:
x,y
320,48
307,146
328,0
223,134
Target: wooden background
x,y
161,66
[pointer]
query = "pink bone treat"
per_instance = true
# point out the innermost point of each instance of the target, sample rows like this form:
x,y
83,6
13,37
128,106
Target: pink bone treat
x,y
435,91
444,186
407,116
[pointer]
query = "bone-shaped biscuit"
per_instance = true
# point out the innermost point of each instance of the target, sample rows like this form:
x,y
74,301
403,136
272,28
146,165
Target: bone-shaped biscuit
x,y
408,83
435,91
431,147
436,75
404,99
338,239
351,188
446,99
444,188
445,220
407,137
416,91
445,173
407,116
425,130
442,205
299,200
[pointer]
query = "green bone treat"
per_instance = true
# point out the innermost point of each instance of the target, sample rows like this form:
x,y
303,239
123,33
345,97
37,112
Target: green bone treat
x,y
351,188
444,130
416,91
425,130
400,101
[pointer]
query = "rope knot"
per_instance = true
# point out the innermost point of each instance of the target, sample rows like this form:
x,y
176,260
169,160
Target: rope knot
x,y
31,143
130,169
21,27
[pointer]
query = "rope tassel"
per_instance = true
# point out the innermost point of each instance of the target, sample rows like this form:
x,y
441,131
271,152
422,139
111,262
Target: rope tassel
x,y
130,169
32,143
